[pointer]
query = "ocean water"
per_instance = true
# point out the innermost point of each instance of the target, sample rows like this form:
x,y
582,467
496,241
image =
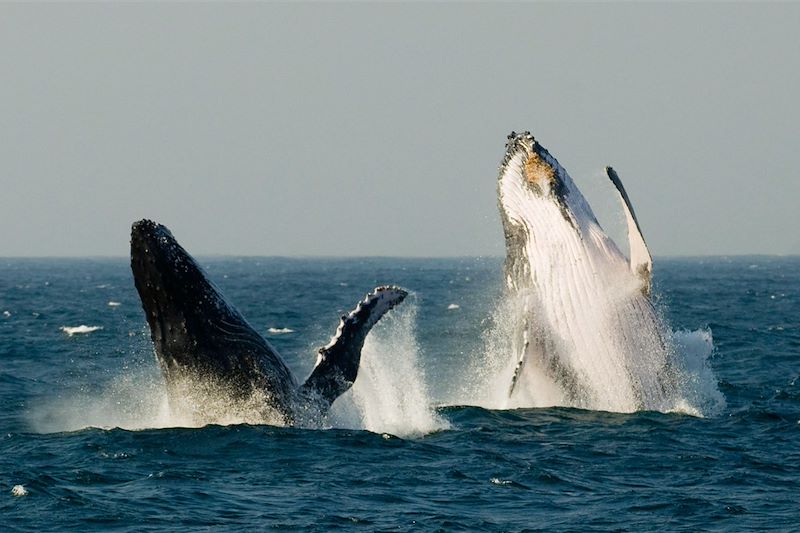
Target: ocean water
x,y
87,440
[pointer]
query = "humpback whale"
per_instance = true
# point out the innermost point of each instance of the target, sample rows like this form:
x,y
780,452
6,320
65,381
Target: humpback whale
x,y
584,324
202,340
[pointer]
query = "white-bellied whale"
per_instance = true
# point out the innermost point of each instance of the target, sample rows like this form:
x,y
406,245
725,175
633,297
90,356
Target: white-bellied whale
x,y
585,325
201,339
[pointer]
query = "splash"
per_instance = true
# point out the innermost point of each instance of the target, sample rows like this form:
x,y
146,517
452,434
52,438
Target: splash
x,y
390,394
698,388
694,388
136,399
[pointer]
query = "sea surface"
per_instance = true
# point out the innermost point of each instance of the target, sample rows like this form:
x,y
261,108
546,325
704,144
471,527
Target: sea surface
x,y
88,441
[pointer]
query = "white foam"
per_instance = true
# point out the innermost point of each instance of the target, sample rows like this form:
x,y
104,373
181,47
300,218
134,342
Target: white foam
x,y
453,306
699,392
114,304
279,331
6,314
19,491
83,329
133,400
486,380
137,399
389,395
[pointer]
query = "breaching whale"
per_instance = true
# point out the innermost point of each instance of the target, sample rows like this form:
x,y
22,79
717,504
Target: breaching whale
x,y
584,324
200,338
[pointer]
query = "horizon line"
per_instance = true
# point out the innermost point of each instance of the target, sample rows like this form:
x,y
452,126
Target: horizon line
x,y
356,257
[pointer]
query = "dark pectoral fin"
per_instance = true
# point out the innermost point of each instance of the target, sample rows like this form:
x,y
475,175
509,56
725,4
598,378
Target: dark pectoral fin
x,y
338,361
640,261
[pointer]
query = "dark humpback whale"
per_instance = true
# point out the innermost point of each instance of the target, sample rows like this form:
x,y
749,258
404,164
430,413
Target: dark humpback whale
x,y
585,329
201,339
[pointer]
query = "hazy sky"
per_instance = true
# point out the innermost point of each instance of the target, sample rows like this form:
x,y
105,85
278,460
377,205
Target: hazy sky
x,y
324,129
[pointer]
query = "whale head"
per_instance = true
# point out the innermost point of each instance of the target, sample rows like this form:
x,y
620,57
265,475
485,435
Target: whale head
x,y
177,299
173,290
532,185
196,333
541,208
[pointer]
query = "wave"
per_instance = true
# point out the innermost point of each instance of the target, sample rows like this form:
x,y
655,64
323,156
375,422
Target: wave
x,y
83,329
279,331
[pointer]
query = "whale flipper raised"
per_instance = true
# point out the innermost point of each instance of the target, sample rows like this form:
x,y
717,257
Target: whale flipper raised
x,y
200,338
640,260
338,361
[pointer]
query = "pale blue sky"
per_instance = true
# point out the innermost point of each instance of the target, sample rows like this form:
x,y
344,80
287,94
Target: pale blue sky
x,y
360,129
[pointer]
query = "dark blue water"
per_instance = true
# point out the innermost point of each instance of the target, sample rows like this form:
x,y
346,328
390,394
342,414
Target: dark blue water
x,y
442,467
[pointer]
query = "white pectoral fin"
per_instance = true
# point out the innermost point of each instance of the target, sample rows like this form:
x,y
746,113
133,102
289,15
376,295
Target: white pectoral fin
x,y
640,260
522,358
